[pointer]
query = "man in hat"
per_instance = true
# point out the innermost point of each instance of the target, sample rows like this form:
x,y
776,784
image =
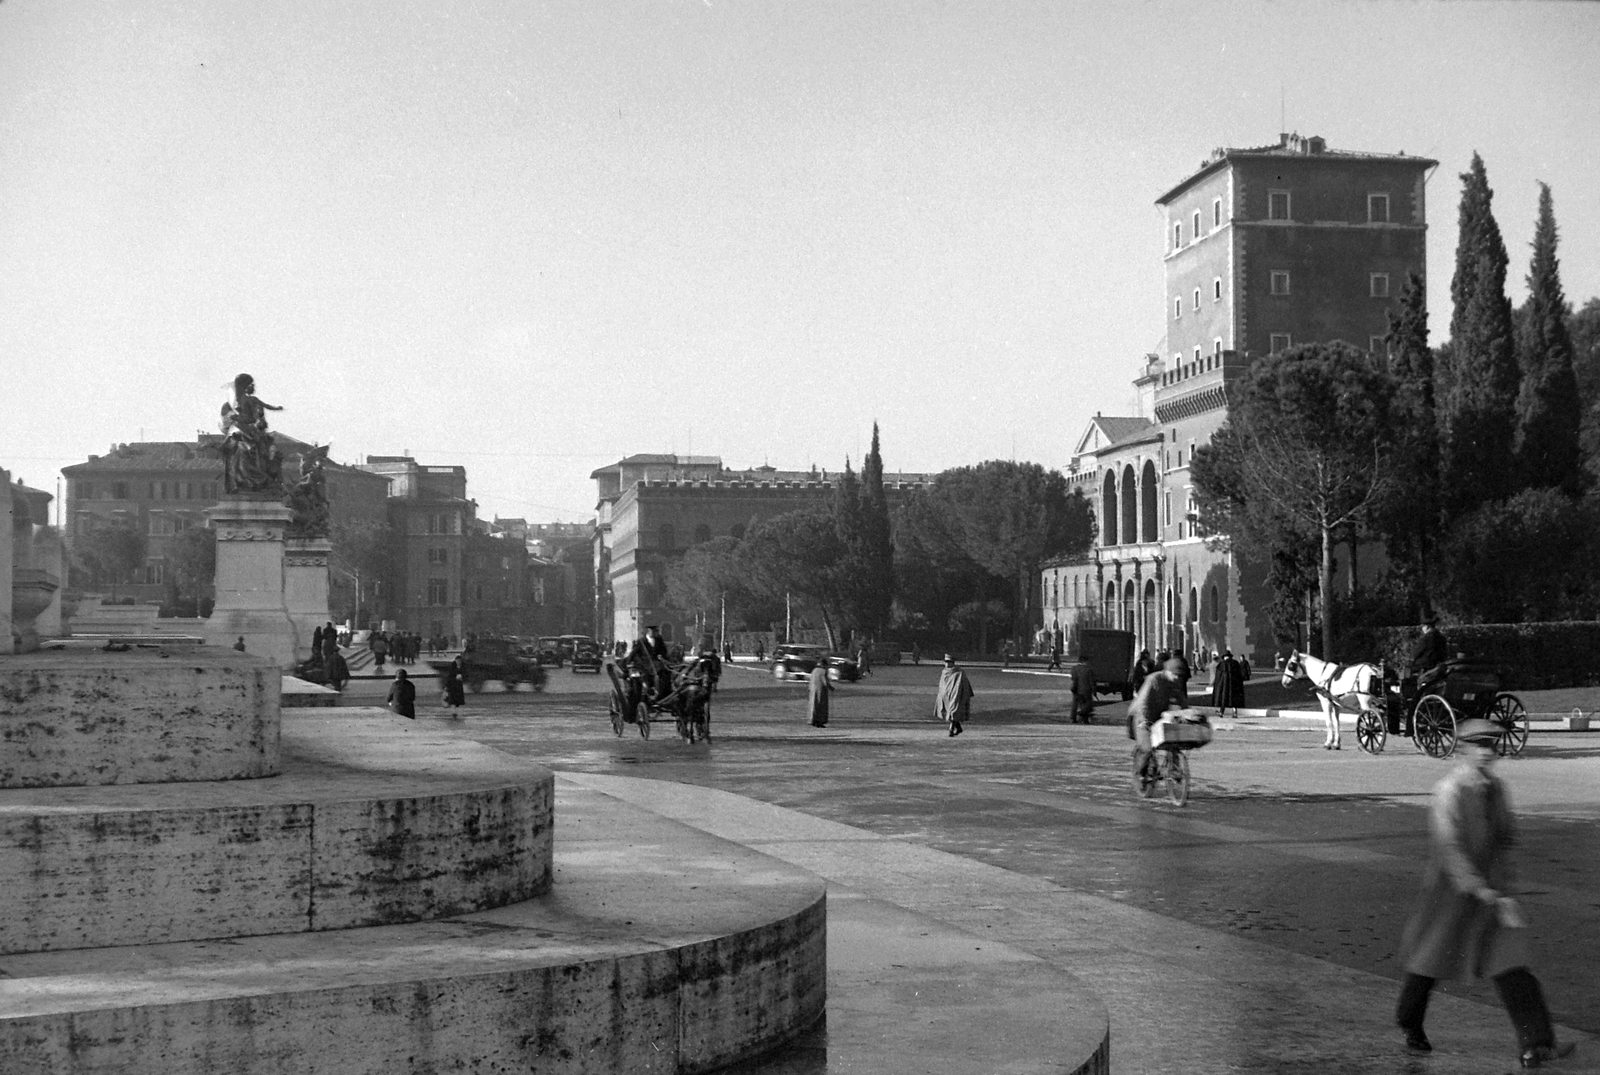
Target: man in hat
x,y
1465,924
954,703
1161,691
1429,654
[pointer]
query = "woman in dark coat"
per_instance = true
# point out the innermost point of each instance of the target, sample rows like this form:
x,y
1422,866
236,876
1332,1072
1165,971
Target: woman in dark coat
x,y
403,695
817,699
1227,684
454,683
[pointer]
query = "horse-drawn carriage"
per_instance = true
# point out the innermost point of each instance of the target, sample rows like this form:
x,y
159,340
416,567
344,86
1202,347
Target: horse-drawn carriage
x,y
650,689
1387,704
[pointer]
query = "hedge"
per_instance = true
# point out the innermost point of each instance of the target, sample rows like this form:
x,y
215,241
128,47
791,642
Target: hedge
x,y
1531,656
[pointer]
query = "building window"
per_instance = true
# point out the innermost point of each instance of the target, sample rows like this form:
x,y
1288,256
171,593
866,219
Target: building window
x,y
1280,342
1177,309
1377,208
1197,298
1216,213
1216,290
1167,498
1177,236
153,574
119,490
1280,282
1277,205
1197,355
1216,346
438,556
1378,285
1197,223
737,532
438,591
702,534
1214,603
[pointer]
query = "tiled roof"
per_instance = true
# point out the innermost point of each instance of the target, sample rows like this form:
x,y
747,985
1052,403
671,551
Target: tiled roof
x,y
200,455
1292,147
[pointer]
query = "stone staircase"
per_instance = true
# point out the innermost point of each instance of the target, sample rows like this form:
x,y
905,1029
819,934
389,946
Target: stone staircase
x,y
229,887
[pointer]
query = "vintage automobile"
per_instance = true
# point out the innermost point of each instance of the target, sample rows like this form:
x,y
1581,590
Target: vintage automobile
x,y
569,643
585,656
498,658
548,649
796,661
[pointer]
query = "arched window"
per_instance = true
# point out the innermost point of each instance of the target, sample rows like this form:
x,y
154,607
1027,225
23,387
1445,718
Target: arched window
x,y
1111,600
1194,605
1130,506
1147,504
669,537
1074,591
1170,617
1147,616
1108,510
702,534
1130,604
1214,605
737,531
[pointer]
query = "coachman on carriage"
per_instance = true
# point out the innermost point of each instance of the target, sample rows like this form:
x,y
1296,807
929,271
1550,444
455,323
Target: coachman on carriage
x,y
645,686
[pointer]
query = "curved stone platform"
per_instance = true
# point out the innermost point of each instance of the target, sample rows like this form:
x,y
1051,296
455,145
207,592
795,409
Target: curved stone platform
x,y
373,821
658,949
150,714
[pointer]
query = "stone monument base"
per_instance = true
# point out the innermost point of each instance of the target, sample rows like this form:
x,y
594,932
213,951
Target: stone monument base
x,y
250,578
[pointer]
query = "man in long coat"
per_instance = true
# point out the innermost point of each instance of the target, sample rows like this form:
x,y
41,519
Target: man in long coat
x,y
1227,684
817,698
1465,924
954,703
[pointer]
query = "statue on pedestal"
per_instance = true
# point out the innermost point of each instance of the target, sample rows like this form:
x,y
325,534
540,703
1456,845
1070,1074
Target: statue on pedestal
x,y
308,497
251,462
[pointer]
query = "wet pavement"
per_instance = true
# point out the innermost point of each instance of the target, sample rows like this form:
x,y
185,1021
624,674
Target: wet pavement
x,y
1252,930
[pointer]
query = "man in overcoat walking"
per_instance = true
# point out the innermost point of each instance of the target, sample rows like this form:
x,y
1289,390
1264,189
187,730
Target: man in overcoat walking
x,y
954,703
1465,924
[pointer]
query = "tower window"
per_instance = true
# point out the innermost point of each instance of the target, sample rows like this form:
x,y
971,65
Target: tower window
x,y
1196,223
1216,346
1378,285
1177,236
1177,309
1377,208
1216,213
1280,282
1216,290
1277,205
1197,298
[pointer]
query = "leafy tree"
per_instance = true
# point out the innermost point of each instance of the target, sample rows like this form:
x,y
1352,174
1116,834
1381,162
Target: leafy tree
x,y
192,562
1584,329
1409,517
1478,382
1549,410
978,618
364,551
1009,517
799,555
933,574
712,576
1497,562
1305,453
876,597
111,554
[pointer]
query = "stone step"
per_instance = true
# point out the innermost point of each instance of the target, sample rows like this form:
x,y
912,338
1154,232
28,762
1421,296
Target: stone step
x,y
374,820
658,948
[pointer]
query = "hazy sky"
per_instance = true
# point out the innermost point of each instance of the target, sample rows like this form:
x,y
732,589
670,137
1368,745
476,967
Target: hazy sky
x,y
532,238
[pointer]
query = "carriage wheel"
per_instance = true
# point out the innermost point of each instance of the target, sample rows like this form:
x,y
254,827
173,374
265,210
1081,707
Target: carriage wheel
x,y
1435,724
1507,712
616,718
1177,776
1370,732
1147,775
641,717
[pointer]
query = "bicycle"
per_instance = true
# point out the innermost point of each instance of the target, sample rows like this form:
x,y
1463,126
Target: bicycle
x,y
1167,764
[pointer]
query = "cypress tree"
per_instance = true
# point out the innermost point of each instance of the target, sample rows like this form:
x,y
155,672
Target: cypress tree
x,y
1411,512
877,544
1549,411
1477,397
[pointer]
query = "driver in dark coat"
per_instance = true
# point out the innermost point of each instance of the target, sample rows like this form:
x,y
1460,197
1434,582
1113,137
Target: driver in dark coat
x,y
1429,654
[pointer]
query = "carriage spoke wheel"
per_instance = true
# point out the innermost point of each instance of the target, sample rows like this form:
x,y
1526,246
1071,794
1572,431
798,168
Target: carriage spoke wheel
x,y
1435,724
1146,776
1177,776
1512,720
1370,732
641,716
616,718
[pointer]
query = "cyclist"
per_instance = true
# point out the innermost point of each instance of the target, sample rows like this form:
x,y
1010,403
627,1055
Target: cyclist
x,y
1161,691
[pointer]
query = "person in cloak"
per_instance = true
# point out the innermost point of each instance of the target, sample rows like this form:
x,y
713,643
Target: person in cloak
x,y
817,697
403,695
1227,684
1466,924
453,683
954,703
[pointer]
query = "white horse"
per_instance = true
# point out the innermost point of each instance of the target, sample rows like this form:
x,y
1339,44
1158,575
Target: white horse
x,y
1354,687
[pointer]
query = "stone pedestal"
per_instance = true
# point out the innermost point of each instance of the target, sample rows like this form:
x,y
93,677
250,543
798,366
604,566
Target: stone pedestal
x,y
305,589
250,578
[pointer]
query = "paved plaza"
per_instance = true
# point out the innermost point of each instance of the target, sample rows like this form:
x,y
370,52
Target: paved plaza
x,y
1252,931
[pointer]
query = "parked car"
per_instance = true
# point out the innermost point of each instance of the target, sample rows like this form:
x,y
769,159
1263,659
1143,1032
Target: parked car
x,y
586,655
548,647
796,661
569,643
498,658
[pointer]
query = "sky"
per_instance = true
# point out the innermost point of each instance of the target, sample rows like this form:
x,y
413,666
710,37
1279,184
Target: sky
x,y
532,238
